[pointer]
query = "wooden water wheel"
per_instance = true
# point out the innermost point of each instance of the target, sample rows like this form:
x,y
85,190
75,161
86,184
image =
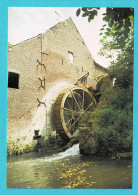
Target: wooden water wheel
x,y
70,106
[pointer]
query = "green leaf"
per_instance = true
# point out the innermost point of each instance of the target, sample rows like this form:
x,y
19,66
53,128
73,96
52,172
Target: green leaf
x,y
105,18
78,12
89,19
92,17
102,29
108,29
84,9
9,45
105,37
85,14
95,12
107,34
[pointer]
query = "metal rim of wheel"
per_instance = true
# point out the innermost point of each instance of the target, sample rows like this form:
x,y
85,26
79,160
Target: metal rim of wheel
x,y
71,105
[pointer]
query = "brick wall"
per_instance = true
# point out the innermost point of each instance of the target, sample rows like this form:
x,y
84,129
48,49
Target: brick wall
x,y
44,71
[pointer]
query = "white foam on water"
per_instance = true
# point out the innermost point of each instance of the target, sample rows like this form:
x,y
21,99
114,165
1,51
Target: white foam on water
x,y
73,151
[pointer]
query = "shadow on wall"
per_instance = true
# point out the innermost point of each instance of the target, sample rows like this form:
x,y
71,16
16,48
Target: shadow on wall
x,y
45,114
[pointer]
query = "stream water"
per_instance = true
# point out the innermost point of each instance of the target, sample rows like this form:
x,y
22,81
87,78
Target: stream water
x,y
68,170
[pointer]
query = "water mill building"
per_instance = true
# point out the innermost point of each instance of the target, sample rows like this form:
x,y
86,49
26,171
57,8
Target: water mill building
x,y
48,75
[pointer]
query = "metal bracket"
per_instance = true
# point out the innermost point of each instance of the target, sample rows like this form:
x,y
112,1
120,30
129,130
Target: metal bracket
x,y
39,103
40,64
42,83
44,53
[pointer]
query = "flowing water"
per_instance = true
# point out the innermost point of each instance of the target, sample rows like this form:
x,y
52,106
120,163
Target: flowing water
x,y
68,170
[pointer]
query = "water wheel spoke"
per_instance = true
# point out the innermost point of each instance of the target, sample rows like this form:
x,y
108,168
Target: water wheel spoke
x,y
75,98
89,106
69,110
83,100
67,114
79,102
75,121
73,129
68,104
81,116
69,120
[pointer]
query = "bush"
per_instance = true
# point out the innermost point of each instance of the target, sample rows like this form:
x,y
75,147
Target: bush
x,y
112,120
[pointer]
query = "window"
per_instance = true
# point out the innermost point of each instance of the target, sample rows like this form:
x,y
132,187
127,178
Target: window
x,y
70,57
114,79
13,80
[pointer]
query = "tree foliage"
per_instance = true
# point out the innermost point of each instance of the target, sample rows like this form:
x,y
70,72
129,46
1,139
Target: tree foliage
x,y
89,12
115,19
112,119
114,115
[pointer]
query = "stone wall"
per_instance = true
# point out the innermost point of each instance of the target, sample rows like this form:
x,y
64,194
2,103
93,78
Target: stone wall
x,y
99,71
88,138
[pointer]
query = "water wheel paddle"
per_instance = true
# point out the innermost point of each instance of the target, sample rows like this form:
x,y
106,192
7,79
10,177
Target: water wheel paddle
x,y
70,106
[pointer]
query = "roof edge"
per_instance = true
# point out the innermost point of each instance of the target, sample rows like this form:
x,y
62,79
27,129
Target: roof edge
x,y
96,64
40,33
25,41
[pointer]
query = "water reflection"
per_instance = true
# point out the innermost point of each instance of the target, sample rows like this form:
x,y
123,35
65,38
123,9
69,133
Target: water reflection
x,y
67,170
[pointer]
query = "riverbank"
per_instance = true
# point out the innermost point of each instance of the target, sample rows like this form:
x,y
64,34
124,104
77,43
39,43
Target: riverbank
x,y
52,148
